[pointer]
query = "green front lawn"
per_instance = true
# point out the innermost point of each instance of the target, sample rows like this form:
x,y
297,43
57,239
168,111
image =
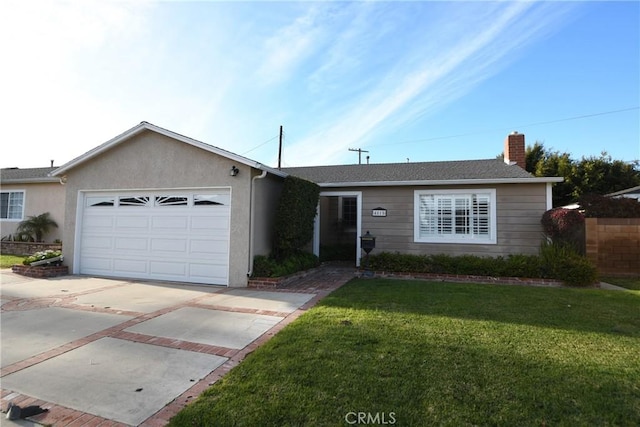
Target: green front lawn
x,y
6,261
414,353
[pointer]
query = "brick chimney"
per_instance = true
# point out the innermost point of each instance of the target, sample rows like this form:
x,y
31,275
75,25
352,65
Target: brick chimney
x,y
514,153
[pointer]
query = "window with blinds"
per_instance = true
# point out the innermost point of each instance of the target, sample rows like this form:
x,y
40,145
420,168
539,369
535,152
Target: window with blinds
x,y
11,205
455,216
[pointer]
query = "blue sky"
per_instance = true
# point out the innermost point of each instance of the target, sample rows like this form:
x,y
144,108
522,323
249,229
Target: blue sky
x,y
422,81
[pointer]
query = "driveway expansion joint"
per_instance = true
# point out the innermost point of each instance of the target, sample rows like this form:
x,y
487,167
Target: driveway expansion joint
x,y
317,285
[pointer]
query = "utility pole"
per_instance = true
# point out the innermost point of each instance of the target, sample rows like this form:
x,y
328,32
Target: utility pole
x,y
360,151
280,149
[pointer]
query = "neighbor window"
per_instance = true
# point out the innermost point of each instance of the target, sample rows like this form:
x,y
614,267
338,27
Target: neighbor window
x,y
11,205
455,216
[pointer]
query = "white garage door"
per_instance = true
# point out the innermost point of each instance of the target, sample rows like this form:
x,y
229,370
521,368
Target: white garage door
x,y
178,235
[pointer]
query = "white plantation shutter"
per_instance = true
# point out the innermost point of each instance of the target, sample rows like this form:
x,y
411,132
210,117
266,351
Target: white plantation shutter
x,y
454,215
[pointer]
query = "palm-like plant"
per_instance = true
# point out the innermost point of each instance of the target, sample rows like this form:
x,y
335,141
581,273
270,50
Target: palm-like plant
x,y
37,226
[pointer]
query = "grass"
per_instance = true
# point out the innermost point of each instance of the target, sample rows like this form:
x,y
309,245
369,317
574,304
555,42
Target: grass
x,y
427,353
632,283
6,261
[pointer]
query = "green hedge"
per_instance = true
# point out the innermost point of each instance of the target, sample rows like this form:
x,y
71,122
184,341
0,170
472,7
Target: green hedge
x,y
554,262
295,217
264,266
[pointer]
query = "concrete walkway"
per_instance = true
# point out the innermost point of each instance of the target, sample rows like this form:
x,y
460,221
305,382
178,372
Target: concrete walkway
x,y
123,353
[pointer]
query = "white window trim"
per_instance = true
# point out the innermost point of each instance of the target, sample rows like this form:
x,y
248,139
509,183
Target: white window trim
x,y
474,240
24,202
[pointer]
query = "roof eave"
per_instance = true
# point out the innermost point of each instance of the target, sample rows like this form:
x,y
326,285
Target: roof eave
x,y
30,180
538,180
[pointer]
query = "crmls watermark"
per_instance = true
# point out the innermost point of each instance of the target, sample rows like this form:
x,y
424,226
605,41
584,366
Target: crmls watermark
x,y
369,418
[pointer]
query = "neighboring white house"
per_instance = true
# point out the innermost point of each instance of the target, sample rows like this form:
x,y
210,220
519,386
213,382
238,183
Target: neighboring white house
x,y
631,193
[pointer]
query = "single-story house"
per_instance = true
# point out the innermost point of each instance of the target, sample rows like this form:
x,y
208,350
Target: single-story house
x,y
30,192
477,207
153,204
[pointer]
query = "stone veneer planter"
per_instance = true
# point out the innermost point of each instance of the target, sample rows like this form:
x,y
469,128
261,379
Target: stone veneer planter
x,y
41,271
26,248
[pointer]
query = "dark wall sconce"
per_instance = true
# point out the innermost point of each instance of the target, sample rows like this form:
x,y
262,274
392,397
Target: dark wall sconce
x,y
234,171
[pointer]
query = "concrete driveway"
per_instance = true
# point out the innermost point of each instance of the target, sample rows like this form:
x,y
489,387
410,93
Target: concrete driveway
x,y
131,352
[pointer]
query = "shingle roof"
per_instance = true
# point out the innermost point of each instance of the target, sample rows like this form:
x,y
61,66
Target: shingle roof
x,y
16,175
490,169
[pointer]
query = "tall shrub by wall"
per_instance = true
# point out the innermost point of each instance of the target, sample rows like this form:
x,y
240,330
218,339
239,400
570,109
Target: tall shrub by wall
x,y
295,216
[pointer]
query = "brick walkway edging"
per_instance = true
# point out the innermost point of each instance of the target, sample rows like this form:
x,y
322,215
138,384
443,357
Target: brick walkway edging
x,y
162,417
468,278
321,282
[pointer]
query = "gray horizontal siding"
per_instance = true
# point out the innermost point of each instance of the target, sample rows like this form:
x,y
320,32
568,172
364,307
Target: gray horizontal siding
x,y
519,209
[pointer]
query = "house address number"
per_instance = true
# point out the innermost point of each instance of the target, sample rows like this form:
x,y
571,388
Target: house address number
x,y
379,212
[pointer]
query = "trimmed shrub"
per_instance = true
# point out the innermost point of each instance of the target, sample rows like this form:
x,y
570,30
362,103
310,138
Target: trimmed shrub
x,y
295,217
555,261
561,261
264,266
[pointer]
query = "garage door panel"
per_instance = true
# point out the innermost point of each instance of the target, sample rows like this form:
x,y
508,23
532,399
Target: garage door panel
x,y
97,265
214,223
98,222
203,271
208,247
176,269
129,265
96,242
154,236
133,223
132,243
172,223
175,245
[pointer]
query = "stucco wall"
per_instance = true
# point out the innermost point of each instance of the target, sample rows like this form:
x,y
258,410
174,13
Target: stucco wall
x,y
39,198
267,196
519,208
153,161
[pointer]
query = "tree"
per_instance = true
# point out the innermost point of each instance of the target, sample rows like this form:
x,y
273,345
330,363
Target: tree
x,y
599,175
37,226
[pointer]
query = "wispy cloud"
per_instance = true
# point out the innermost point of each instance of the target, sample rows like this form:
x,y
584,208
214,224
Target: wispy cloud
x,y
475,47
44,41
290,45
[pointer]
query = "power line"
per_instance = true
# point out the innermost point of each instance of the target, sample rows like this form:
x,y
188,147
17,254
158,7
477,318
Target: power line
x,y
259,145
509,129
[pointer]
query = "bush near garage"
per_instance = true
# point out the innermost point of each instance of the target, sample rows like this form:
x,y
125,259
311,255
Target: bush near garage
x,y
295,217
265,266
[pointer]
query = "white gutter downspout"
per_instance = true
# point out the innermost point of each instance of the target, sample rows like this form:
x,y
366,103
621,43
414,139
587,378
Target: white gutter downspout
x,y
252,219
